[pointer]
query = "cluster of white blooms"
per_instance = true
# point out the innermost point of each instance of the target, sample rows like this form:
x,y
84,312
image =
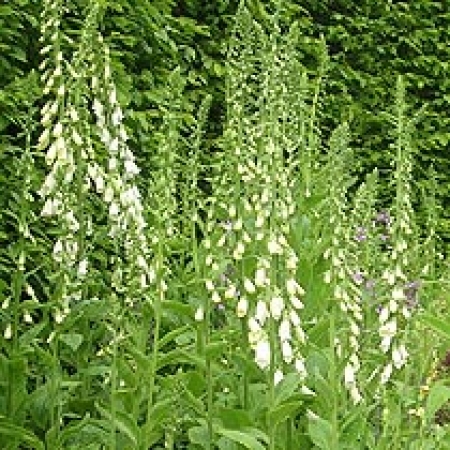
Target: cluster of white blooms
x,y
347,292
256,205
395,310
63,145
75,170
116,183
343,275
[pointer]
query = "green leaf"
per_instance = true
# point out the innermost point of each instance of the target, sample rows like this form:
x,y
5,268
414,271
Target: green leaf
x,y
282,412
438,396
234,418
18,434
178,356
172,335
441,326
287,388
320,431
123,422
85,432
73,340
243,438
198,435
152,431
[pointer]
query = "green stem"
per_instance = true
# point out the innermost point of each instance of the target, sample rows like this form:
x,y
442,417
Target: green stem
x,y
157,306
334,382
112,442
209,378
245,379
271,399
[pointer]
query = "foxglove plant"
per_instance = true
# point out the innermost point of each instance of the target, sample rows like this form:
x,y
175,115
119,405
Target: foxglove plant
x,y
394,313
253,200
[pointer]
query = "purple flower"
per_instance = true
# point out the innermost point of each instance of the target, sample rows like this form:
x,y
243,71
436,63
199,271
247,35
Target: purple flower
x,y
361,234
358,277
411,291
383,218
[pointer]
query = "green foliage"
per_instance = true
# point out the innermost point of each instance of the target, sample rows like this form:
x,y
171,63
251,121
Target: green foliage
x,y
139,365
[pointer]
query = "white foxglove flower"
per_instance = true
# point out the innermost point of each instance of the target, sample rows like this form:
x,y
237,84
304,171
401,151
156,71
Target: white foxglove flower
x,y
116,116
199,314
27,317
277,377
384,315
354,328
238,225
399,356
276,307
249,286
292,287
259,223
76,137
305,390
389,329
294,318
59,317
262,354
349,375
253,325
389,277
284,330
386,344
398,294
58,248
215,297
7,334
83,267
209,285
300,368
274,247
386,374
114,209
242,307
131,168
230,292
48,209
301,336
296,303
260,277
109,194
291,262
261,312
355,395
286,351
393,306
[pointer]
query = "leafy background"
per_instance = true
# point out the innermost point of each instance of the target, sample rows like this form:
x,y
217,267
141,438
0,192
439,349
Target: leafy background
x,y
369,43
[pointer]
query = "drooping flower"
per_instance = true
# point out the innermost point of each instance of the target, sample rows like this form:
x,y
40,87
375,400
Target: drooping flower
x,y
262,354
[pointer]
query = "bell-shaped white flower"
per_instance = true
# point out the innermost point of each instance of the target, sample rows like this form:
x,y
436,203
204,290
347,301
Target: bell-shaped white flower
x,y
262,354
276,307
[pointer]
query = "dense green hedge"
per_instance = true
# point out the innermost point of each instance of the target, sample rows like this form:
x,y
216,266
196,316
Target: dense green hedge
x,y
369,42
